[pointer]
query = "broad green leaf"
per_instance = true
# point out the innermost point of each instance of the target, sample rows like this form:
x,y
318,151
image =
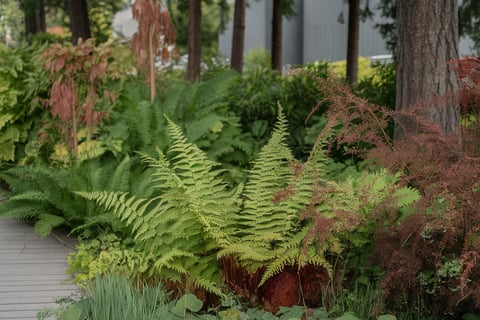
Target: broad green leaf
x,y
72,312
187,303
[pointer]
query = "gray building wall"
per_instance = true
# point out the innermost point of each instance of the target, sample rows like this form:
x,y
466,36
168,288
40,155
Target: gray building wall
x,y
258,22
325,38
314,34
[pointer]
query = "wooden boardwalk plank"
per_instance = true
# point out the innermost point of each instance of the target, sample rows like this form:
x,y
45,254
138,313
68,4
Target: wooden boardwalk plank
x,y
32,270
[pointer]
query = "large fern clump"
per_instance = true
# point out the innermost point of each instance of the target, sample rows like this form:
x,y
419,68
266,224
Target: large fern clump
x,y
268,231
180,226
295,214
46,195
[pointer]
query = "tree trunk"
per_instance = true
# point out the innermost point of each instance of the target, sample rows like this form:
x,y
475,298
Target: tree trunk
x,y
427,41
238,39
194,40
352,43
34,17
79,21
277,35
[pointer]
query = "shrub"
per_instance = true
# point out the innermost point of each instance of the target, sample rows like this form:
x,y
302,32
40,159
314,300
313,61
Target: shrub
x,y
254,97
442,225
23,84
379,87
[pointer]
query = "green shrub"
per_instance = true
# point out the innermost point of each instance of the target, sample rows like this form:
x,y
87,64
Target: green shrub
x,y
364,68
23,83
199,109
379,87
254,97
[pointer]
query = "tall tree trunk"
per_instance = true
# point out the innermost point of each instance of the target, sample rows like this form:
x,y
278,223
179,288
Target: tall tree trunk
x,y
194,40
277,35
79,21
352,43
238,39
34,16
427,41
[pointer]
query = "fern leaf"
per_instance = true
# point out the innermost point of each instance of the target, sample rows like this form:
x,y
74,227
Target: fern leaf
x,y
21,211
43,227
36,196
406,196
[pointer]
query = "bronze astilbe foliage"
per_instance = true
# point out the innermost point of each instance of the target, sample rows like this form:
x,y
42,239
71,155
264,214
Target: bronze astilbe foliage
x,y
446,171
155,37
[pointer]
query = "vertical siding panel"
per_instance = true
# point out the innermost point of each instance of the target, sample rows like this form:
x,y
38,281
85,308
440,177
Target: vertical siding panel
x,y
314,34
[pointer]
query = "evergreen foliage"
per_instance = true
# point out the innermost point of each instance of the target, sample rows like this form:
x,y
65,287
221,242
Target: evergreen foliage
x,y
45,195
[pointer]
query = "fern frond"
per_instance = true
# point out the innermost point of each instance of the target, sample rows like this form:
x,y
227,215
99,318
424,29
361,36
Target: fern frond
x,y
36,196
46,222
183,220
22,210
406,196
268,231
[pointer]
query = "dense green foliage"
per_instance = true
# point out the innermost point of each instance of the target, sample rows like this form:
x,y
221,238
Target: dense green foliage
x,y
23,84
47,196
191,214
211,172
179,225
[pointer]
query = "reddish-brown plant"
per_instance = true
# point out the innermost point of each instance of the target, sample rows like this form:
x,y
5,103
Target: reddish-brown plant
x,y
155,37
446,170
77,72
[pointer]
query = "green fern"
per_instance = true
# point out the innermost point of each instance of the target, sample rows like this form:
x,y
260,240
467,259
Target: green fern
x,y
269,231
287,202
180,226
45,195
200,110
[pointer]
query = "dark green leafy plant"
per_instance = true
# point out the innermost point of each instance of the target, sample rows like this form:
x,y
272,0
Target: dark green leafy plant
x,y
22,84
46,195
254,97
379,87
199,109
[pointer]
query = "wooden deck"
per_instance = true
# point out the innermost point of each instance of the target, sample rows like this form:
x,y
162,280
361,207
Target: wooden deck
x,y
32,270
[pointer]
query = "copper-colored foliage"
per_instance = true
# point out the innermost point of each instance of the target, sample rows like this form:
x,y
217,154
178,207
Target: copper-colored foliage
x,y
77,72
446,171
156,33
